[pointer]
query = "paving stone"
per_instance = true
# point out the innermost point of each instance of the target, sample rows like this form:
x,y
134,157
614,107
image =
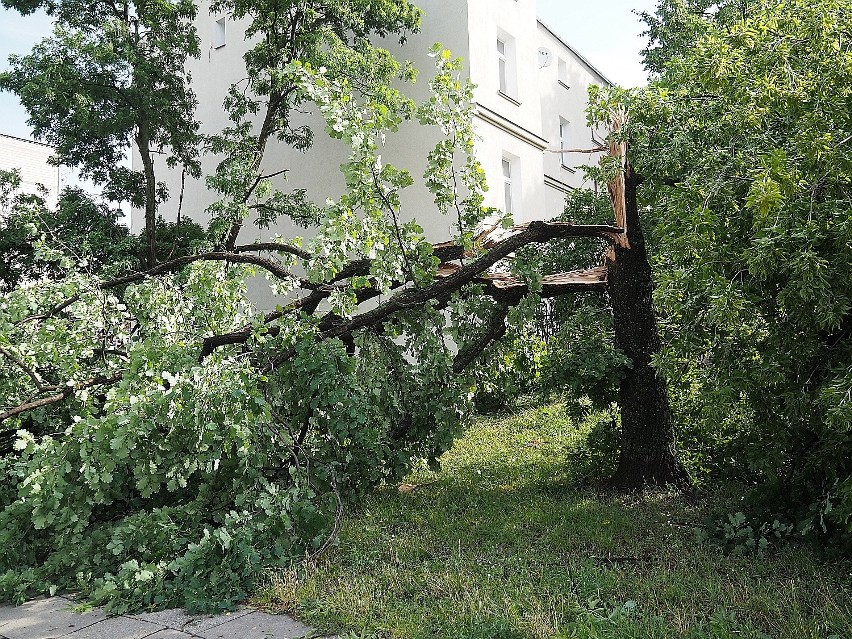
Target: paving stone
x,y
116,628
45,619
259,625
168,633
195,624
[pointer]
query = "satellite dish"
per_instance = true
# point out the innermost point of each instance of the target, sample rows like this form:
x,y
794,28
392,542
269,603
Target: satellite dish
x,y
545,58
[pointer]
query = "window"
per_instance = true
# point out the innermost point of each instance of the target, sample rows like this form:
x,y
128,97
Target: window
x,y
502,66
219,33
507,186
563,141
506,67
563,72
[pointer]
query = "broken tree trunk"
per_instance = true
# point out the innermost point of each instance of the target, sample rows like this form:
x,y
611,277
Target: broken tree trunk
x,y
647,432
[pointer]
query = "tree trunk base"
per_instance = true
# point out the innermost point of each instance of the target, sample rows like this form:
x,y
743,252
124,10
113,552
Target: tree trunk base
x,y
647,427
641,472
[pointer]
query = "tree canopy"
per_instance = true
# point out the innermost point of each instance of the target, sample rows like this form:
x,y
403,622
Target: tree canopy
x,y
113,75
745,140
164,441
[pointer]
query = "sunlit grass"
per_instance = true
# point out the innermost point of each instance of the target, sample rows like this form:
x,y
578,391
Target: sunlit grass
x,y
503,543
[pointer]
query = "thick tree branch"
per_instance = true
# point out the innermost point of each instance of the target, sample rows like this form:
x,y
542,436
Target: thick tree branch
x,y
509,291
308,304
67,392
447,251
495,329
504,288
534,232
274,247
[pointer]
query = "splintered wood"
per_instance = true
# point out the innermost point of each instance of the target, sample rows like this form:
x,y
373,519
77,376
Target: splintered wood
x,y
587,277
551,285
618,149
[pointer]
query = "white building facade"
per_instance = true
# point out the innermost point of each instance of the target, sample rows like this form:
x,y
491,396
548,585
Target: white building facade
x,y
531,94
38,177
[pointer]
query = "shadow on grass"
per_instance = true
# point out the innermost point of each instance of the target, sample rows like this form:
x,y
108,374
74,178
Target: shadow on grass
x,y
502,544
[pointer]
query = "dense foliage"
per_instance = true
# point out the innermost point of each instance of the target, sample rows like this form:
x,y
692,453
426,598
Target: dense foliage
x,y
164,441
168,440
79,225
745,140
83,229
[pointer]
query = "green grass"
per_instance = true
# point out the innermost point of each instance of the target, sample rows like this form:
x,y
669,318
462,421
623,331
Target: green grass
x,y
506,545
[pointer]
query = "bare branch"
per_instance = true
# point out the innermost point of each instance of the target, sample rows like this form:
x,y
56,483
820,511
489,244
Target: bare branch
x,y
66,393
274,247
495,329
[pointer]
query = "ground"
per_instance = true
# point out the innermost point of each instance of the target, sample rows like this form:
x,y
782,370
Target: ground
x,y
506,543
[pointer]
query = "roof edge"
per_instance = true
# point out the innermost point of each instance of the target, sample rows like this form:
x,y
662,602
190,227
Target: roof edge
x,y
20,139
573,50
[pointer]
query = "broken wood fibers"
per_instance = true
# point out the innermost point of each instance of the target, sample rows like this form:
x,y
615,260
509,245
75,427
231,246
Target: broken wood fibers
x,y
618,149
594,277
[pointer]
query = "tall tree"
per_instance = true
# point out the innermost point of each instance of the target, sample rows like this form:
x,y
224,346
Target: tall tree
x,y
172,440
745,139
111,78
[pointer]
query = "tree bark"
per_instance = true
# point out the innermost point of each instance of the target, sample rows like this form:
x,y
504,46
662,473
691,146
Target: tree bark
x,y
143,145
647,432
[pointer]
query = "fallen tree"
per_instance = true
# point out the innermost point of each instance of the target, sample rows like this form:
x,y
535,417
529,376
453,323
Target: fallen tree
x,y
170,440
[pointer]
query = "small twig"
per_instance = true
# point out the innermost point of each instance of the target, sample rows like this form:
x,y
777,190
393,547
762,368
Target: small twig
x,y
395,219
29,371
598,149
272,175
55,399
338,520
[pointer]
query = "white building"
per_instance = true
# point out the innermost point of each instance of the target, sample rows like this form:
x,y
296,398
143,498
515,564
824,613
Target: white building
x,y
31,159
531,96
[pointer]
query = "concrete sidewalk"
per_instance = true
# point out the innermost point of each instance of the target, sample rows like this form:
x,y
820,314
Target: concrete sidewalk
x,y
53,617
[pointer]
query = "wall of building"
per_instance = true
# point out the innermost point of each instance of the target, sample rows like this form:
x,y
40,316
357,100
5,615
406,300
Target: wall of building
x,y
546,85
316,170
564,86
518,121
31,158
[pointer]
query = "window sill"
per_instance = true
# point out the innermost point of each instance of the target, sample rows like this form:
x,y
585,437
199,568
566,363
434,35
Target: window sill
x,y
509,98
570,169
563,84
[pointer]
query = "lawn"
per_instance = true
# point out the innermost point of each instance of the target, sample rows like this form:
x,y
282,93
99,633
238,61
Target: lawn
x,y
505,543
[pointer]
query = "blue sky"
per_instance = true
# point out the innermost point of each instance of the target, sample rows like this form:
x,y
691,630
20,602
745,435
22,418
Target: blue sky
x,y
17,35
606,32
